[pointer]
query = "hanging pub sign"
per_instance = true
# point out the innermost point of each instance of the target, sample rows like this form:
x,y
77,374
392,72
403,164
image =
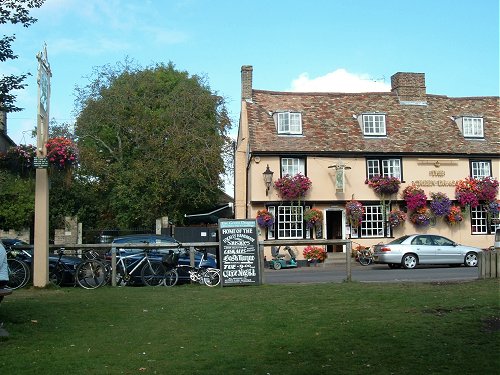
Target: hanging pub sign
x,y
239,252
339,180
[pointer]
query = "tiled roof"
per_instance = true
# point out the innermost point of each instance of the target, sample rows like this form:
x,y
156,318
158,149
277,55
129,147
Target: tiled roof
x,y
329,126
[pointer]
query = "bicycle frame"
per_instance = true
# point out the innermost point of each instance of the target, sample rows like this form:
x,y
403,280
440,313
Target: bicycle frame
x,y
135,264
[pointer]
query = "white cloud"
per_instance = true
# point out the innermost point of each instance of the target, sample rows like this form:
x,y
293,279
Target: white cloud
x,y
339,80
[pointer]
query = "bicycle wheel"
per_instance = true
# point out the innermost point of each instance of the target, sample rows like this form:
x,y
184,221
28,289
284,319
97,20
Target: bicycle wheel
x,y
211,277
364,261
171,277
55,275
19,273
91,274
153,273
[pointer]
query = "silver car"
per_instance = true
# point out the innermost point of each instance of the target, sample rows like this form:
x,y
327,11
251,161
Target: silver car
x,y
412,250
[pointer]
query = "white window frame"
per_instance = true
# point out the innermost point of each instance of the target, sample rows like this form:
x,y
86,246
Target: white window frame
x,y
289,123
480,168
290,222
479,221
384,167
292,166
374,124
373,224
271,231
472,127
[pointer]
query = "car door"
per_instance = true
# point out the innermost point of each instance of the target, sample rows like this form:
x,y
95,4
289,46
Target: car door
x,y
424,248
446,251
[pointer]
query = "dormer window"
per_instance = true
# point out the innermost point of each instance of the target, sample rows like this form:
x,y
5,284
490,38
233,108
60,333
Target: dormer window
x,y
374,124
472,127
289,123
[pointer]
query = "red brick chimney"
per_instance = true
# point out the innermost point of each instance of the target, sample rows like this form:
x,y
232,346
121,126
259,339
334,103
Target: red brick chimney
x,y
246,82
410,87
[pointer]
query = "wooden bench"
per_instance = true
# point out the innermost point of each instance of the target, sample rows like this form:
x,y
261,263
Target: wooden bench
x,y
4,292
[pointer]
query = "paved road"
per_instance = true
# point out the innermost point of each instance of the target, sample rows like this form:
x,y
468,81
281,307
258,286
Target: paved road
x,y
372,273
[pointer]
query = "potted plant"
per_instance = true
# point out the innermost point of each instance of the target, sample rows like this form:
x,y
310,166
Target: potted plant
x,y
292,187
265,219
466,192
62,152
396,218
354,212
314,254
18,159
421,217
313,217
454,216
414,197
384,185
440,204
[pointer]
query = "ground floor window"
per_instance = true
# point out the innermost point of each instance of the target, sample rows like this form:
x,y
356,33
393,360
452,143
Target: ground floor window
x,y
373,224
290,222
481,222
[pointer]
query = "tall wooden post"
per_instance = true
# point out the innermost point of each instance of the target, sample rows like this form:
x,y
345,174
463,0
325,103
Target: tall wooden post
x,y
41,243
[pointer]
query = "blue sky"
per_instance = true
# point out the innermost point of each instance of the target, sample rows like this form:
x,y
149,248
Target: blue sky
x,y
314,45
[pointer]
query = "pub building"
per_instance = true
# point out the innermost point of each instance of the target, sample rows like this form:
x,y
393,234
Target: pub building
x,y
303,155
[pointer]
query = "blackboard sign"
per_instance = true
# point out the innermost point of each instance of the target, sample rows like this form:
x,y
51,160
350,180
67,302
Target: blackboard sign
x,y
239,252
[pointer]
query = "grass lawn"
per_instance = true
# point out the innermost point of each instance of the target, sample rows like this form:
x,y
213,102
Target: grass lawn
x,y
348,328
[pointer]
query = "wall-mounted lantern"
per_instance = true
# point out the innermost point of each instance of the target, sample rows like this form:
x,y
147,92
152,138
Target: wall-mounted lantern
x,y
268,178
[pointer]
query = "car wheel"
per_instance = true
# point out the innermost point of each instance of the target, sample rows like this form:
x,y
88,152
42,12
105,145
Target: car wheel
x,y
470,259
409,261
277,265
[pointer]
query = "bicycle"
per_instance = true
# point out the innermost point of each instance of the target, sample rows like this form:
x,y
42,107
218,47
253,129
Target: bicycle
x,y
151,272
59,271
364,255
203,275
19,273
92,273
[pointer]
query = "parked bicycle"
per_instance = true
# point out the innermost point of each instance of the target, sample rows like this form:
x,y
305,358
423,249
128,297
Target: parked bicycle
x,y
363,255
138,265
19,266
92,272
203,275
19,273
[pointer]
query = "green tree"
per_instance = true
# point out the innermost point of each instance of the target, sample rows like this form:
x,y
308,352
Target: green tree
x,y
13,11
154,139
17,201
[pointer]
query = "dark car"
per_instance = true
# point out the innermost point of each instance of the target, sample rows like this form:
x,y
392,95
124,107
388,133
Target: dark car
x,y
411,250
65,264
158,254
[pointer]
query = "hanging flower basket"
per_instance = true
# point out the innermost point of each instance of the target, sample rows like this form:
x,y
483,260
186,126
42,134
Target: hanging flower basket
x,y
454,216
421,217
354,213
62,152
314,253
396,218
313,217
292,187
265,219
384,185
487,189
440,204
467,192
18,159
493,208
414,197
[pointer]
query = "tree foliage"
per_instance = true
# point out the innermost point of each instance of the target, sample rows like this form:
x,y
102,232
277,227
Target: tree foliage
x,y
17,201
154,139
14,12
